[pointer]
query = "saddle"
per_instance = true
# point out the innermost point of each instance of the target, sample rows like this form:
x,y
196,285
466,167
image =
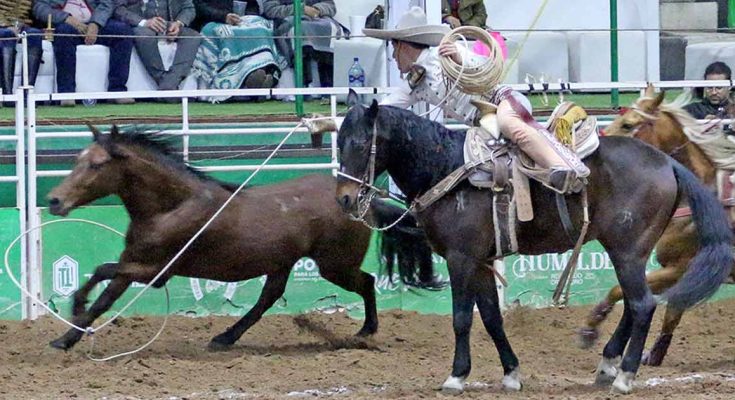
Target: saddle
x,y
504,168
492,162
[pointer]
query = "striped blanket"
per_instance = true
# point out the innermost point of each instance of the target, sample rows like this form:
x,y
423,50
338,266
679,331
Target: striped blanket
x,y
229,53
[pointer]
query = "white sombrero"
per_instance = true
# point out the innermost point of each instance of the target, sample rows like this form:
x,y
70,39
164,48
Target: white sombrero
x,y
412,27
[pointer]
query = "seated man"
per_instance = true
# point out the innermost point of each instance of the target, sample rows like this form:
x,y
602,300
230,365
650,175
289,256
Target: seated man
x,y
14,19
162,20
458,13
77,22
238,49
714,100
318,28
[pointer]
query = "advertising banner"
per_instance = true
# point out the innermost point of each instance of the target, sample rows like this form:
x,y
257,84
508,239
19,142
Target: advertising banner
x,y
10,299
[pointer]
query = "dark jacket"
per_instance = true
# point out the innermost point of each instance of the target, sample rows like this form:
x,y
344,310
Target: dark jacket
x,y
101,11
470,12
131,11
280,9
701,109
217,10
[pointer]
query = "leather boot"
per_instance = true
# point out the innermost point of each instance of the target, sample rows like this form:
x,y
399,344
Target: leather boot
x,y
35,58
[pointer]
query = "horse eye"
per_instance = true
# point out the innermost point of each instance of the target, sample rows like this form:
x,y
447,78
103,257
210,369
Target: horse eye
x,y
627,126
95,166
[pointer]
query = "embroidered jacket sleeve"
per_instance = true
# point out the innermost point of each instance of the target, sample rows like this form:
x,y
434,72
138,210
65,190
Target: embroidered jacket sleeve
x,y
431,89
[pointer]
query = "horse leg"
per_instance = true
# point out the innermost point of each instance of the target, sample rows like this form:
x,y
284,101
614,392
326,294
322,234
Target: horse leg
x,y
658,281
492,319
102,273
658,352
273,289
607,369
112,292
463,301
640,307
351,278
588,335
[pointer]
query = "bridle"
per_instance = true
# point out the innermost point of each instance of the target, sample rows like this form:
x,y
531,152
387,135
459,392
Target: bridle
x,y
367,190
649,122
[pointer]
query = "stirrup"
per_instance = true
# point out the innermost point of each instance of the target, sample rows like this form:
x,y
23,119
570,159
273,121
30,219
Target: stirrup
x,y
564,181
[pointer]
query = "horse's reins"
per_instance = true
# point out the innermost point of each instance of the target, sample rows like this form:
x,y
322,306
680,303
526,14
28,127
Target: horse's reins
x,y
367,190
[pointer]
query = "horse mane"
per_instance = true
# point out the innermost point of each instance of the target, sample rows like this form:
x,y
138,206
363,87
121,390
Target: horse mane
x,y
409,122
709,136
162,147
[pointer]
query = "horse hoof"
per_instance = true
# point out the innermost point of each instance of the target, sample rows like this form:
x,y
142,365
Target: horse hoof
x,y
623,384
366,332
219,343
453,385
60,344
586,337
651,359
607,370
512,381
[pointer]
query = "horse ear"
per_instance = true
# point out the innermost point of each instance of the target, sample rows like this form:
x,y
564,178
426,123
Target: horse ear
x,y
352,98
650,90
115,131
372,112
95,132
659,99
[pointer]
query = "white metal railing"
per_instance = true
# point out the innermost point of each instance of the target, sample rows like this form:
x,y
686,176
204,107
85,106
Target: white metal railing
x,y
27,191
19,180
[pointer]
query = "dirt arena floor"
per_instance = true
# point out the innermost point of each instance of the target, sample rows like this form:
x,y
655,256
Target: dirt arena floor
x,y
316,356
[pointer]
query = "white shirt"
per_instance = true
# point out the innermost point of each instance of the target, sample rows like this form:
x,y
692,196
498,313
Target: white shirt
x,y
432,89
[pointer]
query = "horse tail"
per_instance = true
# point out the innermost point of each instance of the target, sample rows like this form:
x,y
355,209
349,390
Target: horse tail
x,y
404,245
714,260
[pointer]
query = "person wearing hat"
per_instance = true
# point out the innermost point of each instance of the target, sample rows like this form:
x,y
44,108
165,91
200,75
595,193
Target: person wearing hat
x,y
419,60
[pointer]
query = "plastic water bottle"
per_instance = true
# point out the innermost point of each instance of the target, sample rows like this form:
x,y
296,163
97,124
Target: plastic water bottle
x,y
356,76
89,102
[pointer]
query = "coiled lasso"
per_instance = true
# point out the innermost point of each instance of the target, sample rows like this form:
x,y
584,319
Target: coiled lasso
x,y
480,79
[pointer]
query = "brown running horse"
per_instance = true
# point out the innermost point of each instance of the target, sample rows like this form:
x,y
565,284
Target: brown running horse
x,y
263,231
661,125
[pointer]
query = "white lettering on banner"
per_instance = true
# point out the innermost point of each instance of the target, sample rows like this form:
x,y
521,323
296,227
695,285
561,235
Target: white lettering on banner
x,y
66,275
306,270
210,286
384,283
555,263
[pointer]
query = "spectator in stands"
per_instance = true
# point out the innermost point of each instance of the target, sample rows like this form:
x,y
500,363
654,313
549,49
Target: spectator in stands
x,y
15,17
166,21
76,22
318,26
464,12
714,99
238,49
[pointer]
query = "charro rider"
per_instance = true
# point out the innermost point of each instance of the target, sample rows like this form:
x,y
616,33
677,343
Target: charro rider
x,y
419,61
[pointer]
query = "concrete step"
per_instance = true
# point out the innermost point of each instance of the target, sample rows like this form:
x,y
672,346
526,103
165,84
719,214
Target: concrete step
x,y
689,15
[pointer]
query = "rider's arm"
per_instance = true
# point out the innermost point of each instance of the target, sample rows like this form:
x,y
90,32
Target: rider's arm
x,y
402,97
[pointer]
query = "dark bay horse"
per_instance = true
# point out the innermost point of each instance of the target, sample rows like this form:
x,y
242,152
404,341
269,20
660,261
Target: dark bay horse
x,y
633,191
263,231
662,126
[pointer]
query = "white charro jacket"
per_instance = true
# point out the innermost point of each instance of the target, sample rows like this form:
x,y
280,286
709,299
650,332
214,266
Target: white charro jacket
x,y
433,90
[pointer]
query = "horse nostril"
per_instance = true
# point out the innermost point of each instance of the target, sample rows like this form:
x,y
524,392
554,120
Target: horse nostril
x,y
54,201
344,202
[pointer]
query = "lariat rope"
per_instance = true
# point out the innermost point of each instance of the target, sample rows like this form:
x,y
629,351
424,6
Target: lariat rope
x,y
474,80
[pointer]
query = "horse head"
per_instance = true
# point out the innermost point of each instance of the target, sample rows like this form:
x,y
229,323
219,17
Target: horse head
x,y
96,174
648,121
358,141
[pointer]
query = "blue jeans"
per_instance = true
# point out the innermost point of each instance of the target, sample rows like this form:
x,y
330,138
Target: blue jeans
x,y
65,52
34,38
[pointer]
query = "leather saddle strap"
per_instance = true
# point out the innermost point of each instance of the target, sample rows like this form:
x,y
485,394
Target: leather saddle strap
x,y
445,185
566,221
